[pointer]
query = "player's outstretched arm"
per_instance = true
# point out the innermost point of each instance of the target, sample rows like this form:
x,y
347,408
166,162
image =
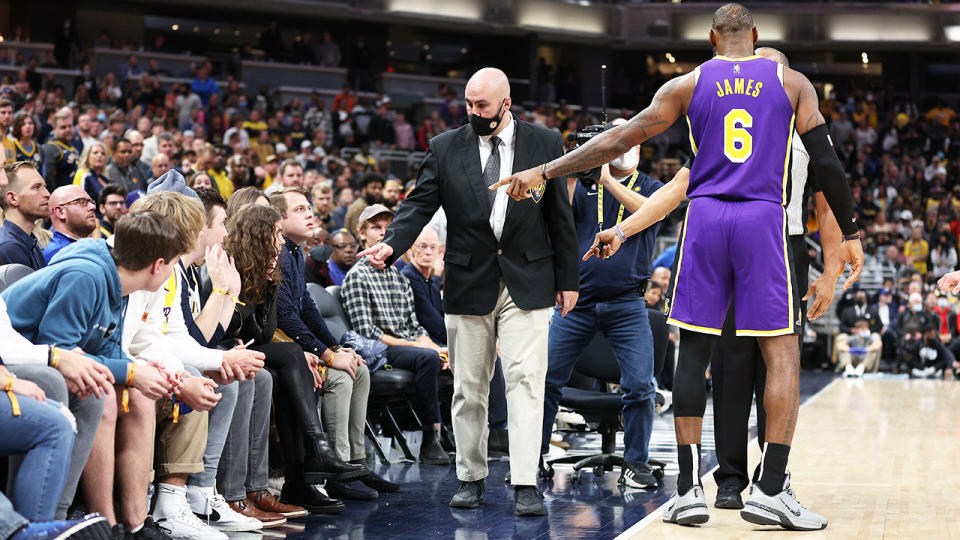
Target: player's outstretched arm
x,y
667,106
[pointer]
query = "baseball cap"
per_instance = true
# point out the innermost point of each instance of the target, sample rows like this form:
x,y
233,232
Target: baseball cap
x,y
885,291
373,211
281,149
906,215
305,144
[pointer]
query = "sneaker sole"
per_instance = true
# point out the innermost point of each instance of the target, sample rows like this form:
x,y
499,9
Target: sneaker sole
x,y
759,514
319,477
529,513
694,514
91,529
234,527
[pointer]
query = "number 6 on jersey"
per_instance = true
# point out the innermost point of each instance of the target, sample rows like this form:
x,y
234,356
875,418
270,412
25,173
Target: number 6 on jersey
x,y
737,142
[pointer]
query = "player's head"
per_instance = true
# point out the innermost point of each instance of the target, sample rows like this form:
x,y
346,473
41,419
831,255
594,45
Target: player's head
x,y
773,54
732,22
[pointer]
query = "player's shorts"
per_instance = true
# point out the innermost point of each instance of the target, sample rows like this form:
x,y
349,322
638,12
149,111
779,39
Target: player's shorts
x,y
734,250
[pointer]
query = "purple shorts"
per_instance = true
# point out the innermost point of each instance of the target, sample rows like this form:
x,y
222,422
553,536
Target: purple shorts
x,y
734,250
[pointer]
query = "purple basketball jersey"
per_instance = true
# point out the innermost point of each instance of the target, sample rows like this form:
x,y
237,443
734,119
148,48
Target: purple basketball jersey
x,y
741,122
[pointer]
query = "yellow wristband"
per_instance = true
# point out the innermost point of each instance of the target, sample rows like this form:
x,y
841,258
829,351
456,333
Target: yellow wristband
x,y
54,356
131,370
14,404
228,295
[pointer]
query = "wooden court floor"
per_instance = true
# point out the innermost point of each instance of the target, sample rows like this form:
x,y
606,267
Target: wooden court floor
x,y
878,458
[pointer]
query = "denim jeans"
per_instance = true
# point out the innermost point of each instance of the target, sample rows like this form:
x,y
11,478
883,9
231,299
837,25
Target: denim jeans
x,y
43,434
221,416
624,323
87,413
244,463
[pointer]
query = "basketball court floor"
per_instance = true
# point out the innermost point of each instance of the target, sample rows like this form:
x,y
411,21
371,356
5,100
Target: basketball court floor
x,y
877,457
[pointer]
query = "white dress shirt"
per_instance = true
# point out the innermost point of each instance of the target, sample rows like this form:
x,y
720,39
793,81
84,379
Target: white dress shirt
x,y
507,148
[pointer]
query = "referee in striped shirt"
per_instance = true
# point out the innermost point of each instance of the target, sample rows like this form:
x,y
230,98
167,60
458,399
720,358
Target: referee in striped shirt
x,y
737,367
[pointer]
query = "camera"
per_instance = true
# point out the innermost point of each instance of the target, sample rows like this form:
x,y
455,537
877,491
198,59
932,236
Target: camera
x,y
589,177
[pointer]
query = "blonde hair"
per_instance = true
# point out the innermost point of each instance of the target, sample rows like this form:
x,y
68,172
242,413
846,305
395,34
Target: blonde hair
x,y
185,213
85,155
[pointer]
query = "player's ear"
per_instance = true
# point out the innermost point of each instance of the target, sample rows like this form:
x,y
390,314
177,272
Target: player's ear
x,y
713,39
755,36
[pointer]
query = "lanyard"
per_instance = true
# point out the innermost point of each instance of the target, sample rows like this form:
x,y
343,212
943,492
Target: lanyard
x,y
633,180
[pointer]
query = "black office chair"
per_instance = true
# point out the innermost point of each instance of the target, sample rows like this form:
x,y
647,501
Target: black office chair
x,y
12,273
597,361
386,386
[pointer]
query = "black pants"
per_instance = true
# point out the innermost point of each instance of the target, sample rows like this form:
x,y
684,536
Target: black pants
x,y
739,374
296,401
425,365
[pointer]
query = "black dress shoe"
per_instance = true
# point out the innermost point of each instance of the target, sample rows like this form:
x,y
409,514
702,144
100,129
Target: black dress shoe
x,y
431,452
527,501
470,495
379,483
322,463
310,497
728,496
354,491
498,443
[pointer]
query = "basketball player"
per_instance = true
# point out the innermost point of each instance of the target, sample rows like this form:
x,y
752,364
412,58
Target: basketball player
x,y
741,109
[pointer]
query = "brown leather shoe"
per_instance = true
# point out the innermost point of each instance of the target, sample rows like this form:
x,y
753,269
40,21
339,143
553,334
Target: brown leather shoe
x,y
268,503
247,508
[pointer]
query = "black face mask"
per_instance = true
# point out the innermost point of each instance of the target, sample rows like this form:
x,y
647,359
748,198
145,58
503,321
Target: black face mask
x,y
486,126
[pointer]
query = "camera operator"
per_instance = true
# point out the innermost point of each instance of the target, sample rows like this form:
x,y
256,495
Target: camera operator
x,y
926,356
612,301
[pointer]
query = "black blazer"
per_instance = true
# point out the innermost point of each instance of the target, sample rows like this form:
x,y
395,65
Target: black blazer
x,y
537,253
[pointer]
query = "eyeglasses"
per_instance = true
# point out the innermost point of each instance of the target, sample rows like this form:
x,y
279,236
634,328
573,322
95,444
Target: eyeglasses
x,y
351,245
82,202
428,247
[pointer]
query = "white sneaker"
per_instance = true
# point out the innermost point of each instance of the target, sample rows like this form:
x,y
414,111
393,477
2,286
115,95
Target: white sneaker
x,y
184,525
849,371
782,509
690,509
217,513
667,400
570,417
860,369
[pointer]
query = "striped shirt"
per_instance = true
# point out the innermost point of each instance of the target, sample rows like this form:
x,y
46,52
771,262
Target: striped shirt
x,y
796,205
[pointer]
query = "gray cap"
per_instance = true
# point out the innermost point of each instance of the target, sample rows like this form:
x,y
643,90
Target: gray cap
x,y
373,211
172,180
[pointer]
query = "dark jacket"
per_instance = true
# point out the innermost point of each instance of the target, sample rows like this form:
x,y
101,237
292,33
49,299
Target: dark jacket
x,y
537,252
428,302
254,321
297,314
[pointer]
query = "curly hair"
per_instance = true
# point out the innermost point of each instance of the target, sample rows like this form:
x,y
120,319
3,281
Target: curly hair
x,y
251,241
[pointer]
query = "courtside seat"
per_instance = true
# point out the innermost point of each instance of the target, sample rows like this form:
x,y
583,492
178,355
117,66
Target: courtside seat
x,y
11,273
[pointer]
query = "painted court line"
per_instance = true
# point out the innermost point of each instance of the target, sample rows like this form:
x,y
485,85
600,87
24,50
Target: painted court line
x,y
656,514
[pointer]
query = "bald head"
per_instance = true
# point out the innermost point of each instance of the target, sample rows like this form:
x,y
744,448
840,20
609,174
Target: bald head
x,y
732,19
773,54
72,211
65,194
488,95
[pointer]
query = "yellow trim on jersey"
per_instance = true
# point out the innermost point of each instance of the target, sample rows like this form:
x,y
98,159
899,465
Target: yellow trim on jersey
x,y
23,151
765,333
171,288
695,328
786,262
786,160
676,278
728,59
780,72
693,143
78,177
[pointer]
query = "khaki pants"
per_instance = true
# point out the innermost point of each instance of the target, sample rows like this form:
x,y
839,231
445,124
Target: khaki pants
x,y
871,362
473,355
344,411
179,446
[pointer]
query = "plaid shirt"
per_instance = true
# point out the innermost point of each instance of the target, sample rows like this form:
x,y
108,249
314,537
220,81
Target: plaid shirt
x,y
379,302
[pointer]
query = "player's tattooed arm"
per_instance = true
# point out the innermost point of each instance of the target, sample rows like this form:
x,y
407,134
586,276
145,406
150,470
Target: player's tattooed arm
x,y
668,104
808,106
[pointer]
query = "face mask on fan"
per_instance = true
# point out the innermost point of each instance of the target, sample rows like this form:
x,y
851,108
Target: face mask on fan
x,y
628,161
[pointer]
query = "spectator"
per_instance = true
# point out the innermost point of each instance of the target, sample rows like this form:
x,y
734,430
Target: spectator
x,y
136,145
345,101
403,134
329,53
391,193
25,200
917,250
371,192
91,171
121,169
928,358
291,175
347,380
380,306
426,286
73,214
236,130
322,196
943,257
841,129
860,351
213,161
151,144
112,205
271,43
653,295
859,311
159,167
202,86
255,243
23,140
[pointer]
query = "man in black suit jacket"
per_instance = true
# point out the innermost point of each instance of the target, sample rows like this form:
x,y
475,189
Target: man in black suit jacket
x,y
506,264
860,310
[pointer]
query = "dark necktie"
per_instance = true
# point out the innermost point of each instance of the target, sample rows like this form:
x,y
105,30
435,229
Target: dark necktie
x,y
491,172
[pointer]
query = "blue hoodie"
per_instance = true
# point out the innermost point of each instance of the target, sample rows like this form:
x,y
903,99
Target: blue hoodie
x,y
75,302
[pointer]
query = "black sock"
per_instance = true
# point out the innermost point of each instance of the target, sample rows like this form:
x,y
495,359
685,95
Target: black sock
x,y
773,468
688,455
